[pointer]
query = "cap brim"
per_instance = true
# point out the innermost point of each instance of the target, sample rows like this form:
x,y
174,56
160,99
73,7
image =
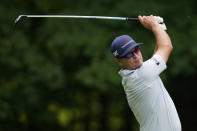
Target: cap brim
x,y
130,48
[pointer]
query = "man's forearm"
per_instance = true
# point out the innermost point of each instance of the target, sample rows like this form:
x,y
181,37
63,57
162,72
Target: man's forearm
x,y
162,38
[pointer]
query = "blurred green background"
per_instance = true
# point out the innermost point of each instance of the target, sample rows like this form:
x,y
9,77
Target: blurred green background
x,y
58,74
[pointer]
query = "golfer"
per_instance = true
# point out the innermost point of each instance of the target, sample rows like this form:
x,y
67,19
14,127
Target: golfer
x,y
145,92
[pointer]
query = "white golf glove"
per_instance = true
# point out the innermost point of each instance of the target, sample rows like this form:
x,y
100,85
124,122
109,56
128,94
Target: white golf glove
x,y
161,22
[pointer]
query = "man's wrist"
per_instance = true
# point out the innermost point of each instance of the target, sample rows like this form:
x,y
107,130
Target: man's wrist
x,y
156,28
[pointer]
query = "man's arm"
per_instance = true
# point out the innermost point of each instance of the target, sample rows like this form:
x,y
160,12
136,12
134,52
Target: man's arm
x,y
163,43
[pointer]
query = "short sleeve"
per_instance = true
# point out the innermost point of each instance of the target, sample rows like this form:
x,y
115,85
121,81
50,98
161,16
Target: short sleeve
x,y
152,67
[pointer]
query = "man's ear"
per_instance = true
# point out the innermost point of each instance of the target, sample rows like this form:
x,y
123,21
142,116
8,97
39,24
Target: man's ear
x,y
118,61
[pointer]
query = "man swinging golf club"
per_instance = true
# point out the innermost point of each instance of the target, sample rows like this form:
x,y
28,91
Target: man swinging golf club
x,y
145,92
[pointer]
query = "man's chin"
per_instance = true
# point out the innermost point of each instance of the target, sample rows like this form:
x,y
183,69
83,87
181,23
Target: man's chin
x,y
136,67
139,65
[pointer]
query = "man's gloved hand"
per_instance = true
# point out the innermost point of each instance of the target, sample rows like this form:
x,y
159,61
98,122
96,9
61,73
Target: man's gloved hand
x,y
160,22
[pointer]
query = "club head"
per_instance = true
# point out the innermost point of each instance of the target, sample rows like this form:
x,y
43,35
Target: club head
x,y
19,17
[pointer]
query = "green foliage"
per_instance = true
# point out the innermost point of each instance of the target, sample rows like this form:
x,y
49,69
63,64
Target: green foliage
x,y
58,74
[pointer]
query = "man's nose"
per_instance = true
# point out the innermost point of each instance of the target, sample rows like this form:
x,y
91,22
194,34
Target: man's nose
x,y
134,55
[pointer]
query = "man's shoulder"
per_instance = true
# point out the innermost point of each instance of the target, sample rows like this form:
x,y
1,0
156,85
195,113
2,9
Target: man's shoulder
x,y
152,68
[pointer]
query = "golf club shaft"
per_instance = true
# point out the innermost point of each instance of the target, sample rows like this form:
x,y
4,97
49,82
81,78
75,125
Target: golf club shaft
x,y
74,16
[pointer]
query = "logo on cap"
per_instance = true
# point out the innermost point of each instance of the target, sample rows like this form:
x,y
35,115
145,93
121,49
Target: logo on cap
x,y
115,53
125,40
127,44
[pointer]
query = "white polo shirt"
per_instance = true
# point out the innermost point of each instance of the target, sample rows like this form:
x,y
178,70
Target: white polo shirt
x,y
148,98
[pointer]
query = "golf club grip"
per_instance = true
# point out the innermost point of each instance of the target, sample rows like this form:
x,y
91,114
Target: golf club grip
x,y
131,19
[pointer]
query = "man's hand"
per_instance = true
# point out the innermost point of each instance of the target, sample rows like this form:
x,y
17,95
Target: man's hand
x,y
149,22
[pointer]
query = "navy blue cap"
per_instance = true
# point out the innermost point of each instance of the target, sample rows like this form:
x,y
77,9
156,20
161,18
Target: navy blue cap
x,y
121,45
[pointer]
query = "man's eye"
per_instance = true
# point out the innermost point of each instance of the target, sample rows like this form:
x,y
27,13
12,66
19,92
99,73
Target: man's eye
x,y
129,54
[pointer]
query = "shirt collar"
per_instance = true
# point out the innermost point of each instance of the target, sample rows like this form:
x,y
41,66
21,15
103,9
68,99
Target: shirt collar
x,y
125,72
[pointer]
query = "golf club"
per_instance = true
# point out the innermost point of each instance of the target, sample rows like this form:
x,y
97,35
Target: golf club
x,y
75,16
